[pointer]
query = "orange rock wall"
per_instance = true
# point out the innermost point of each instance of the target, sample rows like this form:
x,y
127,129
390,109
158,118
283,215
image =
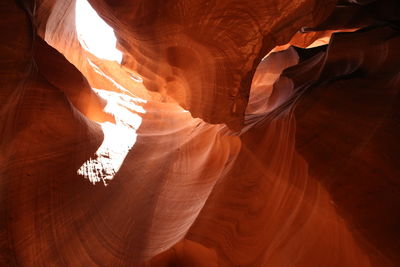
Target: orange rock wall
x,y
210,133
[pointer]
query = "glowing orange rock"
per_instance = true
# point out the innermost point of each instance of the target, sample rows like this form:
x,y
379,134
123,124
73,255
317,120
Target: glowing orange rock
x,y
181,139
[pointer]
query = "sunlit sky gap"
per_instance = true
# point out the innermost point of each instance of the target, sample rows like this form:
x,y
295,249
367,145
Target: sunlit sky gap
x,y
98,38
95,35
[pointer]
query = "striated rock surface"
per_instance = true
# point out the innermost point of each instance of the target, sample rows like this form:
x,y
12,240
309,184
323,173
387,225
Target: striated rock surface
x,y
199,133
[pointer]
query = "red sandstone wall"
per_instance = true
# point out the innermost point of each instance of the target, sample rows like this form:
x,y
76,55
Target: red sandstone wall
x,y
230,133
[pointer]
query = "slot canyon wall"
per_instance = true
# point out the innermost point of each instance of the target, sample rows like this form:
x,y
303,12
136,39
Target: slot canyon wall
x,y
200,133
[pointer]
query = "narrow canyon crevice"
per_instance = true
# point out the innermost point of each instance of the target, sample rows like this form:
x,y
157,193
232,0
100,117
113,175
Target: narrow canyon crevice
x,y
200,133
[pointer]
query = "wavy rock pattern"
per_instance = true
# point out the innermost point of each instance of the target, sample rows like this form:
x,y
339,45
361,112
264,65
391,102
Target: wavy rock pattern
x,y
199,133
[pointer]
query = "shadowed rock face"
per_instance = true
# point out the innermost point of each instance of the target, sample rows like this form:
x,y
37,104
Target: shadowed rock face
x,y
199,133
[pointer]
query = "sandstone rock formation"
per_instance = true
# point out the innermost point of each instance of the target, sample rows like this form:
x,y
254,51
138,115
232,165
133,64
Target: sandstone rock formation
x,y
199,133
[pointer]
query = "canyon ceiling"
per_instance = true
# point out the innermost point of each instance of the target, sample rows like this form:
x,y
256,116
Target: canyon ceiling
x,y
200,133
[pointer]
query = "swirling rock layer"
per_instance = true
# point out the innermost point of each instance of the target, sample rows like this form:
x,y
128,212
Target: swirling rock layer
x,y
199,133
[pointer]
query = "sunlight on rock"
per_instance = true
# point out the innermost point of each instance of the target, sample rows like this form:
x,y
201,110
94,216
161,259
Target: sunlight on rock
x,y
136,78
94,34
119,138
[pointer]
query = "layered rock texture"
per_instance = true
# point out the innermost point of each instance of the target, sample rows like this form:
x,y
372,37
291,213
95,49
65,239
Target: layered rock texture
x,y
200,133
